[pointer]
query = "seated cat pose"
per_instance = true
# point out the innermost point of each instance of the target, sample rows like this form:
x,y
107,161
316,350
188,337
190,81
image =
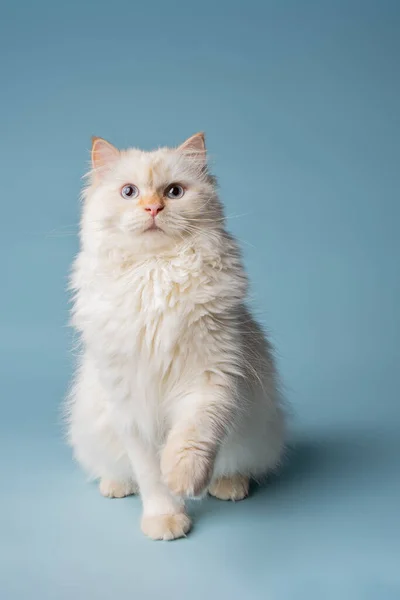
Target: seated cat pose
x,y
176,392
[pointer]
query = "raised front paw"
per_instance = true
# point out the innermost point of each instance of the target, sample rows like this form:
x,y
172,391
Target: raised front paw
x,y
187,465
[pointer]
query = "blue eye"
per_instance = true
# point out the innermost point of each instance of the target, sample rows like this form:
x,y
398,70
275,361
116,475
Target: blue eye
x,y
174,191
129,191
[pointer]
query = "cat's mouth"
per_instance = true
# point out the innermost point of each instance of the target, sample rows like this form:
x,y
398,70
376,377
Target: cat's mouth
x,y
153,227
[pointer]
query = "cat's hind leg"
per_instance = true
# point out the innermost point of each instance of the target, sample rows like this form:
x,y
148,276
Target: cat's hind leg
x,y
251,451
96,444
111,488
233,487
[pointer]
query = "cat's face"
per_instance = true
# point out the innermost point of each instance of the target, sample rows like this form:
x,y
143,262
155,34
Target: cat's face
x,y
151,199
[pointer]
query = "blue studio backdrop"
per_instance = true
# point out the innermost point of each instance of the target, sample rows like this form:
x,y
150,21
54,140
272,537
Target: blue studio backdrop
x,y
300,105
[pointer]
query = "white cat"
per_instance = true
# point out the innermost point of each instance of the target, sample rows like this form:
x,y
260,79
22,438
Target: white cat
x,y
176,393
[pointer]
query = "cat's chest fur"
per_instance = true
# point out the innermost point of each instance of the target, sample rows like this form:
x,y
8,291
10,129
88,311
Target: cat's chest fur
x,y
142,310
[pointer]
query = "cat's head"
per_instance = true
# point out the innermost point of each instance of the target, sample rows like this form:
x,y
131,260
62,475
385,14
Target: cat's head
x,y
150,200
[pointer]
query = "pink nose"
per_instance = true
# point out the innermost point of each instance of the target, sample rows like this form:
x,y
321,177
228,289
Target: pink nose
x,y
154,210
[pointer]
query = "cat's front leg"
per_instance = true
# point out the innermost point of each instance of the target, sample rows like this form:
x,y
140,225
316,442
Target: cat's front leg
x,y
164,516
187,460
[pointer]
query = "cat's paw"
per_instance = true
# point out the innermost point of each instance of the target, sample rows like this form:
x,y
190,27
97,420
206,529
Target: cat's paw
x,y
230,488
117,489
166,527
186,466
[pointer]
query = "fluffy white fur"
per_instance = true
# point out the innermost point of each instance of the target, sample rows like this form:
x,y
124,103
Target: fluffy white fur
x,y
176,391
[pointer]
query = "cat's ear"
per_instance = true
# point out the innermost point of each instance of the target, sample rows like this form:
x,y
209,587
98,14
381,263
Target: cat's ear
x,y
104,154
195,146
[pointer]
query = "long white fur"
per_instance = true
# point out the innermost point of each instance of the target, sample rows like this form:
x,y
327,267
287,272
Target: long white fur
x,y
176,385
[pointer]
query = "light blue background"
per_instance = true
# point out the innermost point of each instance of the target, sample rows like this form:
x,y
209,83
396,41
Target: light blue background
x,y
300,104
